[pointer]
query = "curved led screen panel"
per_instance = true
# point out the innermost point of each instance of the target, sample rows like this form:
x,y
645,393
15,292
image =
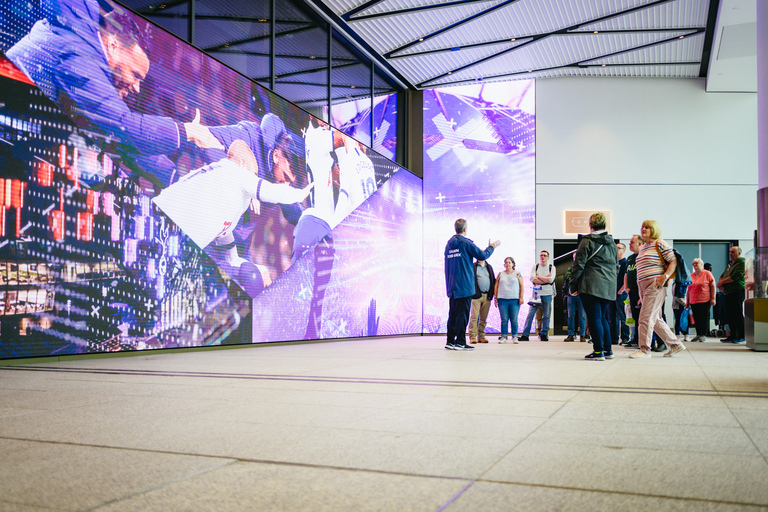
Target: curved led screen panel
x,y
149,192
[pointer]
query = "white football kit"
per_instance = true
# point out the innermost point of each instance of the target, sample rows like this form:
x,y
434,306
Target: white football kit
x,y
357,178
318,144
208,203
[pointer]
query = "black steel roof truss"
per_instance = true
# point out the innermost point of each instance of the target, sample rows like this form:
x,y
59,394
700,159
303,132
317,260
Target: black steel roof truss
x,y
408,10
576,65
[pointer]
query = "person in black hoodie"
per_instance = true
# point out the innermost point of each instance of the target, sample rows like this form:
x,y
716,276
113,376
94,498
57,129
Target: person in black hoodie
x,y
593,277
460,282
485,281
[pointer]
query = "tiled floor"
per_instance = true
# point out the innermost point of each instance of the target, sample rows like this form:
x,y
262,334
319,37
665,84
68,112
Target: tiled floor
x,y
389,424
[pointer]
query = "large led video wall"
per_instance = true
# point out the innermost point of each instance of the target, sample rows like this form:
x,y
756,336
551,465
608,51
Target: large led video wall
x,y
354,118
151,197
479,164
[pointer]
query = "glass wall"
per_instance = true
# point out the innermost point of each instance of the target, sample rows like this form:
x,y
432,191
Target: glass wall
x,y
239,34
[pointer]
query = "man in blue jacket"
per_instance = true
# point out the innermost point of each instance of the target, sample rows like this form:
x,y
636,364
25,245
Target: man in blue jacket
x,y
460,282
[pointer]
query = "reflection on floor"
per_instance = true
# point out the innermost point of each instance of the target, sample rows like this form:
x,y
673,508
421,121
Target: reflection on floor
x,y
388,424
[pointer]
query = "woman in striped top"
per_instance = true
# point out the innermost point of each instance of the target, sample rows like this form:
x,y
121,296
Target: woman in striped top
x,y
656,262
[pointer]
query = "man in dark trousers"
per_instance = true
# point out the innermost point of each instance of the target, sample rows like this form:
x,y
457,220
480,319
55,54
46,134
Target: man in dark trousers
x,y
616,309
460,282
732,284
630,286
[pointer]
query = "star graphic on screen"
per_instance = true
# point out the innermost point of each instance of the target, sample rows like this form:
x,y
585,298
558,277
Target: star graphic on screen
x,y
452,139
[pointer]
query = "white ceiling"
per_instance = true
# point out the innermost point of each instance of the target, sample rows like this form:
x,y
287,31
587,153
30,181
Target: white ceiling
x,y
428,43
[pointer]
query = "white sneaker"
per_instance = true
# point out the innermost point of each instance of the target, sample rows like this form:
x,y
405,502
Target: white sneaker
x,y
514,340
639,354
686,338
702,339
502,339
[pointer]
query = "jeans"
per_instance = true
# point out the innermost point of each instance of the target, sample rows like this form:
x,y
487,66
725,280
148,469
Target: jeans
x,y
599,325
458,317
574,305
617,316
509,310
546,305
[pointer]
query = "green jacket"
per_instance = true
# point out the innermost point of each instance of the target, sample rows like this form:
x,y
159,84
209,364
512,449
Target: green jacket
x,y
596,267
735,271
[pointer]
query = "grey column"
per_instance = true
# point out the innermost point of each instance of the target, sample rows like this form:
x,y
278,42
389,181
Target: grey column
x,y
762,123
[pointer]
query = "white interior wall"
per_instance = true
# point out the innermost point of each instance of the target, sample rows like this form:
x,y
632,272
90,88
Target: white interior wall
x,y
660,149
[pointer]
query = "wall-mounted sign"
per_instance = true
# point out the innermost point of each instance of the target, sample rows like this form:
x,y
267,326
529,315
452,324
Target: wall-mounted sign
x,y
577,222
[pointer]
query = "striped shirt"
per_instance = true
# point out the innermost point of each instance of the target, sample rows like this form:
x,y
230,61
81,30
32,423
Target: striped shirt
x,y
649,265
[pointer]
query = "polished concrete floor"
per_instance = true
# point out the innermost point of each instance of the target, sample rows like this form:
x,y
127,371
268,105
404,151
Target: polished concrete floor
x,y
391,424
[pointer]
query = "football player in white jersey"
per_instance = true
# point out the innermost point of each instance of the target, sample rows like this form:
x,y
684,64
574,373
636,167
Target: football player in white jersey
x,y
208,202
318,220
357,177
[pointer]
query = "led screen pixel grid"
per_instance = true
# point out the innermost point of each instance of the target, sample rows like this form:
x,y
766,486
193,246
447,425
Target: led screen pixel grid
x,y
149,196
479,164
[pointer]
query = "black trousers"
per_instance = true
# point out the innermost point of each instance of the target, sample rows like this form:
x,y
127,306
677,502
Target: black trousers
x,y
634,298
458,318
734,312
701,317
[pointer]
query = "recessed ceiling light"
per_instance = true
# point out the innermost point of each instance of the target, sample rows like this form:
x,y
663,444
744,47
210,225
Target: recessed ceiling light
x,y
421,39
595,32
682,37
603,65
512,39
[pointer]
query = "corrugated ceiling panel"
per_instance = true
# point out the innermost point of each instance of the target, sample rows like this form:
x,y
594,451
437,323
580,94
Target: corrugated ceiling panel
x,y
660,71
680,50
396,5
525,18
672,71
340,7
423,67
677,14
387,34
560,50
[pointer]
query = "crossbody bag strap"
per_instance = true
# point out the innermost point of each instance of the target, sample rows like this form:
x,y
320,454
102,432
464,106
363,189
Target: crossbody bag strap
x,y
593,254
661,257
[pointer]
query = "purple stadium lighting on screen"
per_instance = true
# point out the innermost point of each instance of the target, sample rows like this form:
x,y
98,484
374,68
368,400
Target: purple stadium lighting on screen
x,y
479,164
150,193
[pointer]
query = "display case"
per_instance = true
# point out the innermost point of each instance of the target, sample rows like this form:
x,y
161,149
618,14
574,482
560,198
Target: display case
x,y
756,293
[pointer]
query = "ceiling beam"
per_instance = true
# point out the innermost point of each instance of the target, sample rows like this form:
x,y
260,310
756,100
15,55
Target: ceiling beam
x,y
574,65
466,20
409,10
709,38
